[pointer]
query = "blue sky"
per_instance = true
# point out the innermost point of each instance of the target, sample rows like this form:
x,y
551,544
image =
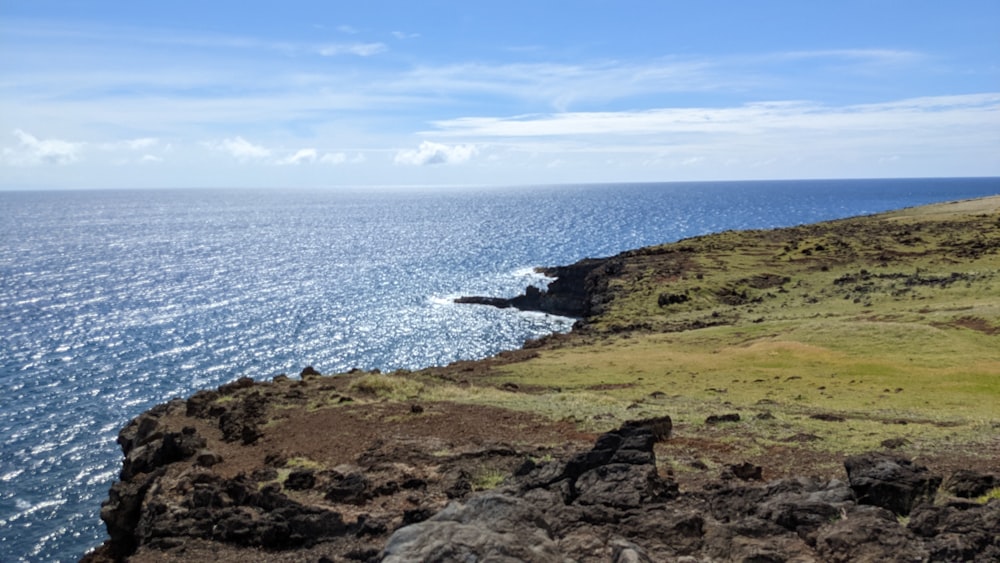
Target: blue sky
x,y
322,93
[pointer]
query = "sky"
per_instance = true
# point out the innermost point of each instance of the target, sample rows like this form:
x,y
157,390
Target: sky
x,y
298,93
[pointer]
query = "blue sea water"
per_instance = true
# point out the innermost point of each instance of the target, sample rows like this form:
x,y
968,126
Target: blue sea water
x,y
114,301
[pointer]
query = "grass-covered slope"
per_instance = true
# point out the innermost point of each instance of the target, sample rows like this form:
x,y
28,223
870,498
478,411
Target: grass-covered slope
x,y
831,337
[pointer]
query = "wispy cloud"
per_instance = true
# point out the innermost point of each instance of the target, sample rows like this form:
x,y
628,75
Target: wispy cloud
x,y
143,143
429,153
240,148
871,56
333,158
747,119
247,152
562,85
359,49
300,156
336,158
32,151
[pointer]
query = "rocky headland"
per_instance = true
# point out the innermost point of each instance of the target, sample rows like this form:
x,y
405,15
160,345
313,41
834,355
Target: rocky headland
x,y
597,446
578,290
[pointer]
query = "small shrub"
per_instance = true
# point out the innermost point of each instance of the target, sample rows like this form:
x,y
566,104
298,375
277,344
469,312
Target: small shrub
x,y
302,463
387,386
487,479
991,495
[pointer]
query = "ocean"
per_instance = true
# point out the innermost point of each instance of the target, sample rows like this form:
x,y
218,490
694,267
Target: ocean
x,y
114,301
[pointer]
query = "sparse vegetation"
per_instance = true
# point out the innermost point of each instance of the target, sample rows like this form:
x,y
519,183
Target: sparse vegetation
x,y
487,478
889,323
395,387
994,494
848,334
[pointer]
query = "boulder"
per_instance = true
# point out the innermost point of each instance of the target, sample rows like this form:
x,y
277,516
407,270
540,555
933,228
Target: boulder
x,y
490,527
520,520
242,421
351,488
966,483
171,447
301,480
868,534
959,531
890,481
719,418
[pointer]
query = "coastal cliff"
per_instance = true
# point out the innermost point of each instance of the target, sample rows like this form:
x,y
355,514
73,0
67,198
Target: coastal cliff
x,y
751,396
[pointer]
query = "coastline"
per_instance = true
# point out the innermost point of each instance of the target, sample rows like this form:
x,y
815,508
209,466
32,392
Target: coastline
x,y
236,460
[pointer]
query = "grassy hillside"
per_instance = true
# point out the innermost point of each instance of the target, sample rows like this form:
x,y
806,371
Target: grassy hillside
x,y
826,338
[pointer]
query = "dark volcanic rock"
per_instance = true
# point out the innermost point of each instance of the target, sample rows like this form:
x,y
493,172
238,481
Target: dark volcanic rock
x,y
577,291
300,480
608,503
890,481
720,418
516,521
868,533
489,527
667,299
970,484
122,509
591,508
241,422
309,370
661,427
959,531
352,488
745,471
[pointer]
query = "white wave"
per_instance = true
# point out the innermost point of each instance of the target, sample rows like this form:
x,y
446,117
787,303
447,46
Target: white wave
x,y
530,275
527,271
443,300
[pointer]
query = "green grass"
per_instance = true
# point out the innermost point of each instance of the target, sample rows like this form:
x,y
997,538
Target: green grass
x,y
487,478
385,386
994,494
877,319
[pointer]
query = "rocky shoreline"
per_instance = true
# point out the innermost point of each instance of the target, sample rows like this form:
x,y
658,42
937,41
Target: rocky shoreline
x,y
398,502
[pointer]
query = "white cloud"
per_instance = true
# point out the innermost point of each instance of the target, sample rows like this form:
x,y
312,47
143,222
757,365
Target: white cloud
x,y
310,155
333,158
865,56
918,115
32,151
300,156
240,148
142,143
139,144
403,35
347,29
150,158
435,153
359,49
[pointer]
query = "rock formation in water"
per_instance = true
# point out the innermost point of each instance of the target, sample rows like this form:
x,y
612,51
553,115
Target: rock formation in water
x,y
577,290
